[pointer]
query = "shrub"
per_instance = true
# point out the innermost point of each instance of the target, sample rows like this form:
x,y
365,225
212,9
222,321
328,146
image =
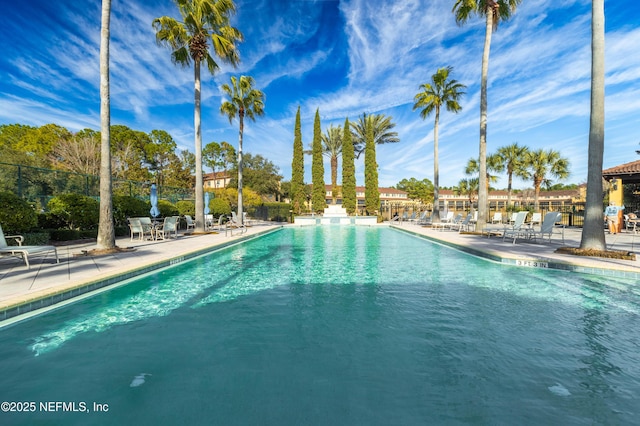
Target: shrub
x,y
167,208
186,207
76,210
16,215
219,206
125,206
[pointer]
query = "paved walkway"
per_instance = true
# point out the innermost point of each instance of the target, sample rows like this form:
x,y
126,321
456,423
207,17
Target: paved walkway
x,y
525,252
47,283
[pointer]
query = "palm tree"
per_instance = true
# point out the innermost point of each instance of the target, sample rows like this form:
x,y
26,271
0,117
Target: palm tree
x,y
440,92
382,131
106,231
494,11
512,158
203,21
593,231
245,102
468,187
544,163
494,164
332,144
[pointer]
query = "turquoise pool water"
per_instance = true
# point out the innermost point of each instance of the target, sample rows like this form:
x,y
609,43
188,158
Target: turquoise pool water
x,y
333,326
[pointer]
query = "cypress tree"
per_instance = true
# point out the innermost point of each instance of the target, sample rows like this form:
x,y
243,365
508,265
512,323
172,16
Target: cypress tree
x,y
297,169
318,195
348,170
371,194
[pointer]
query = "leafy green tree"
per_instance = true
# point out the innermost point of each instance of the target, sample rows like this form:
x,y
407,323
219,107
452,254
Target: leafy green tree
x,y
422,190
544,164
106,229
382,131
245,101
593,231
204,21
494,11
128,153
297,168
179,172
442,91
259,174
213,157
512,157
160,153
318,198
348,171
371,191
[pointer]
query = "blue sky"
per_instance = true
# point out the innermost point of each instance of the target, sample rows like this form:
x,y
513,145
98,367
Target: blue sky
x,y
345,58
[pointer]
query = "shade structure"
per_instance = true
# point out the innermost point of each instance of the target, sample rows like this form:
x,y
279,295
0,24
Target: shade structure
x,y
206,202
153,198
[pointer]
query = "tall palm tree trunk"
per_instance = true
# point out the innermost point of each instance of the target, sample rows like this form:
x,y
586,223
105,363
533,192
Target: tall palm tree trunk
x,y
106,232
436,173
241,117
593,230
483,191
198,142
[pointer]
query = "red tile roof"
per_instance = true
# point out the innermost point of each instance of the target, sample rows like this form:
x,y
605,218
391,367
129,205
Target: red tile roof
x,y
623,169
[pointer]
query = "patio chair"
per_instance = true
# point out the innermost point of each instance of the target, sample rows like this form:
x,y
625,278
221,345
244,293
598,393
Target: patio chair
x,y
466,223
168,226
23,251
536,218
191,224
518,229
147,227
444,225
547,227
497,218
136,228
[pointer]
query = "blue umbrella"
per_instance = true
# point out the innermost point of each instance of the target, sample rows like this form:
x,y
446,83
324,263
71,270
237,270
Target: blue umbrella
x,y
154,201
206,202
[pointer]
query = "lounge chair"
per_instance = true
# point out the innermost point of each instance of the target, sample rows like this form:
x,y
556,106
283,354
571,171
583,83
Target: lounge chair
x,y
168,226
536,218
497,218
234,223
466,223
423,219
443,225
191,224
23,251
518,229
547,227
519,221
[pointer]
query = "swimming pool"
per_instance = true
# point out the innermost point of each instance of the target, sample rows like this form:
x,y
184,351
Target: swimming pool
x,y
333,325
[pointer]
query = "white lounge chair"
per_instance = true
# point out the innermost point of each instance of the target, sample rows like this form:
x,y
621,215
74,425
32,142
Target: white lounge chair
x,y
443,225
518,229
547,227
23,251
497,218
466,223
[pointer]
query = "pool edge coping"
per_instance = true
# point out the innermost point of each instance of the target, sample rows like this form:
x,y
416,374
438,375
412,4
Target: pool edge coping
x,y
49,298
555,264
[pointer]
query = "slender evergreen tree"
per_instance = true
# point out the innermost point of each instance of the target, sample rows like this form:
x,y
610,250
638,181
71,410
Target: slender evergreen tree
x,y
318,195
371,194
297,169
348,171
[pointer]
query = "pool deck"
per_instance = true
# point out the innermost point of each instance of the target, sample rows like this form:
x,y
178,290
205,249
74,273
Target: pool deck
x,y
25,290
